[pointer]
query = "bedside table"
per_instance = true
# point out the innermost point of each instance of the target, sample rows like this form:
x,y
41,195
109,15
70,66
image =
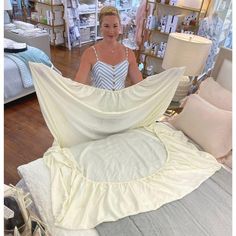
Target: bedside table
x,y
173,108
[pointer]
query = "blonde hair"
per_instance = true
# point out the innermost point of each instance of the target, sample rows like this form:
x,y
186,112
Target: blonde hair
x,y
108,11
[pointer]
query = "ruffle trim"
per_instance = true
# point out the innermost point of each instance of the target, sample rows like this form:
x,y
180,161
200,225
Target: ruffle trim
x,y
82,203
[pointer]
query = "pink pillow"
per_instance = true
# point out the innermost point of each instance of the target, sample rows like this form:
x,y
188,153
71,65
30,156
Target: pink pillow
x,y
215,94
207,125
226,160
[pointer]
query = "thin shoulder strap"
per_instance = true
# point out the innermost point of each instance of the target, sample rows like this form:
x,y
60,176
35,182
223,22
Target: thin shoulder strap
x,y
126,52
95,52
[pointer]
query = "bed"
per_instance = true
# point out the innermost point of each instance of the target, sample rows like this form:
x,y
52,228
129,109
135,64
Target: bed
x,y
17,77
202,209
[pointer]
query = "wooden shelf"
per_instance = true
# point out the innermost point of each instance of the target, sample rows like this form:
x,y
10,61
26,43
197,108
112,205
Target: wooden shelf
x,y
180,7
46,11
41,23
87,12
155,36
185,27
151,55
48,4
87,41
157,31
87,26
57,44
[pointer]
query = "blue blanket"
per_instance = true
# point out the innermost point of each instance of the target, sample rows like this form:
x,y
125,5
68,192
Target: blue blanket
x,y
22,58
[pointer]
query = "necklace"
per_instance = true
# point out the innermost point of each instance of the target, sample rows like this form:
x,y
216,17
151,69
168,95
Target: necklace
x,y
113,50
109,48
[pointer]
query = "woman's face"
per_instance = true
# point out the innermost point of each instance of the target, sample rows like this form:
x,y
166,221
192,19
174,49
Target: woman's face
x,y
110,28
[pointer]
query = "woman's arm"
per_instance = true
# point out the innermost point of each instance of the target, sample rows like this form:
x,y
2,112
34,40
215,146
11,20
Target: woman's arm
x,y
134,74
82,75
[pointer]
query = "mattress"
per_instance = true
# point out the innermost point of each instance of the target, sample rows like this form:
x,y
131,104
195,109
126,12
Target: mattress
x,y
215,193
205,211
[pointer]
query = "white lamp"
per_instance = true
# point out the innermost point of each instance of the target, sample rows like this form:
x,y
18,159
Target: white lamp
x,y
190,51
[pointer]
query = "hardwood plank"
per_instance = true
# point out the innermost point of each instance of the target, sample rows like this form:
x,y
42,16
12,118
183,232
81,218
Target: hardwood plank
x,y
26,136
67,61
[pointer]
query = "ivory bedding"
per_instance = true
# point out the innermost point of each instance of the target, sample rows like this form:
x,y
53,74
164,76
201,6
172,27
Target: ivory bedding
x,y
110,158
205,211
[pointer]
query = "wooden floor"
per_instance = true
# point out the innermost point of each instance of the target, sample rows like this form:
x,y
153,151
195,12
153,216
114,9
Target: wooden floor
x,y
26,136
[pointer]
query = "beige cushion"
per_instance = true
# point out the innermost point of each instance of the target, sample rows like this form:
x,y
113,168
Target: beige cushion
x,y
207,125
215,94
224,76
227,160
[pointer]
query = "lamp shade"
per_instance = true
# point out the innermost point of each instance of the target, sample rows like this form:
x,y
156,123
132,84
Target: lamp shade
x,y
7,5
190,51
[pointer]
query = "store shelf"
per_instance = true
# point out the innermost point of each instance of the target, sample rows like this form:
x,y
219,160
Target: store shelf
x,y
179,7
189,27
151,55
79,25
87,41
157,31
48,4
87,12
50,17
170,19
41,23
87,26
124,9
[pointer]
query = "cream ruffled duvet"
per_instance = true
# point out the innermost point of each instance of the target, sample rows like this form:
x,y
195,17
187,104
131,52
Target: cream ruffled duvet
x,y
110,158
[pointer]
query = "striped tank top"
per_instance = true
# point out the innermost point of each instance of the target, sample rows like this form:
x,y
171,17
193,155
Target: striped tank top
x,y
107,76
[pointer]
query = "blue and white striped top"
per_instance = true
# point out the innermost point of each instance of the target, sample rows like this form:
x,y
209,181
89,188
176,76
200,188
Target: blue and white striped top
x,y
107,76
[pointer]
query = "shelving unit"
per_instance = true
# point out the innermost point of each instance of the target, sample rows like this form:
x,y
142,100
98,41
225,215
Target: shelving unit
x,y
78,12
162,20
121,5
32,5
81,18
49,15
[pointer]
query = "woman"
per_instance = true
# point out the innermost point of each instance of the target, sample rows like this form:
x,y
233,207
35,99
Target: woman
x,y
109,61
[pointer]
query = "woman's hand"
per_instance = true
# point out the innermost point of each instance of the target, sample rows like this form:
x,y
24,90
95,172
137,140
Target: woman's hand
x,y
134,74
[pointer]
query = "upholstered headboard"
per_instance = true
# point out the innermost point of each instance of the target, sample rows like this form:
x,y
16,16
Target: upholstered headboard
x,y
222,71
7,19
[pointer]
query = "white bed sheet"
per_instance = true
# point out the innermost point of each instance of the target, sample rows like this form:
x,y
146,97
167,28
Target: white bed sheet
x,y
36,176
